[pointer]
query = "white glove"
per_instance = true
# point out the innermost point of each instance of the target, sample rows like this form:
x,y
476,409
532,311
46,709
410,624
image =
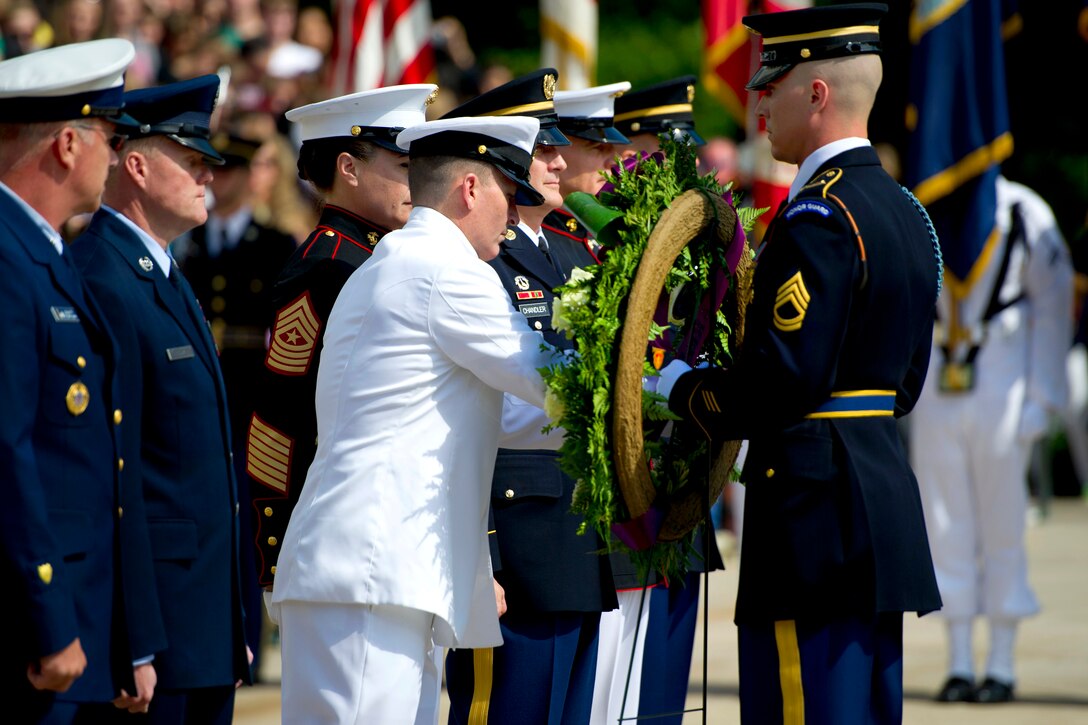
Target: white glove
x,y
669,375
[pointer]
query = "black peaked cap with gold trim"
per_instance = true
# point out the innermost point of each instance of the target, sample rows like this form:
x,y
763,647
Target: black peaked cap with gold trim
x,y
661,108
528,95
820,33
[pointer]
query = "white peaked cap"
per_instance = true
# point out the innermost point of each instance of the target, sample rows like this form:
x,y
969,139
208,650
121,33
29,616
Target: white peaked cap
x,y
394,107
95,65
596,102
519,131
505,142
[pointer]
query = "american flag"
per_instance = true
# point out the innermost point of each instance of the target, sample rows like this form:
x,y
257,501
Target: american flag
x,y
381,43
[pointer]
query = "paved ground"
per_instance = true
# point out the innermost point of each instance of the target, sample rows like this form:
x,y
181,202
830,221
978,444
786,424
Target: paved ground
x,y
1052,651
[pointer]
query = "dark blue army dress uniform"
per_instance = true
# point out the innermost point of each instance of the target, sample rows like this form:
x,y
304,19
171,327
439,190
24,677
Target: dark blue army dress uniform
x,y
838,345
556,583
72,540
186,469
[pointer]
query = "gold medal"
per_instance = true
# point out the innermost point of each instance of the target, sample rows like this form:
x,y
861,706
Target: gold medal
x,y
78,398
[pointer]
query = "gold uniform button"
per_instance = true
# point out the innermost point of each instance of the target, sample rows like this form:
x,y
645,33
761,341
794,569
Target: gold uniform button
x,y
509,493
117,417
120,512
120,464
272,541
267,510
219,283
81,362
770,473
218,304
537,325
272,570
330,233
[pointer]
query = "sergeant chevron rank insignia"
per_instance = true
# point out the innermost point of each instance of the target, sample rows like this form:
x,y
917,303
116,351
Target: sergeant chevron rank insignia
x,y
268,455
294,337
791,304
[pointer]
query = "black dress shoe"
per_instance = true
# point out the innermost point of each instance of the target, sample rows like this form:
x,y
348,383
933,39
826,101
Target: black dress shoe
x,y
992,690
956,689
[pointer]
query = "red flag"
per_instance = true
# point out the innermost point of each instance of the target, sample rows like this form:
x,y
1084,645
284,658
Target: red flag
x,y
727,55
381,43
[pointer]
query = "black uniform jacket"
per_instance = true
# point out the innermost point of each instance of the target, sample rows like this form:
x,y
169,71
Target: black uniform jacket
x,y
282,433
833,521
184,464
538,556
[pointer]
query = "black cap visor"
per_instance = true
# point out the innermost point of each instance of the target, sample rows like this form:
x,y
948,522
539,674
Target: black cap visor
x,y
551,136
766,75
211,156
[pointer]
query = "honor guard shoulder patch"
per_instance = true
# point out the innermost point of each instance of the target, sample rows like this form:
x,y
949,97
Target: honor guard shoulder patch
x,y
791,304
268,455
294,338
807,206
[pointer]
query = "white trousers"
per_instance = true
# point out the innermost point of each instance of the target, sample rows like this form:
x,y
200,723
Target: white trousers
x,y
971,471
362,664
616,639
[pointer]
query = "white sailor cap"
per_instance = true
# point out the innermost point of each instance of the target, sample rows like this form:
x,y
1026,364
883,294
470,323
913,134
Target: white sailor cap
x,y
377,115
588,113
79,80
505,142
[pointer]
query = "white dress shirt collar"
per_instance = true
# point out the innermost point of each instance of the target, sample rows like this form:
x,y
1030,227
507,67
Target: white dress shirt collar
x,y
39,221
157,252
818,157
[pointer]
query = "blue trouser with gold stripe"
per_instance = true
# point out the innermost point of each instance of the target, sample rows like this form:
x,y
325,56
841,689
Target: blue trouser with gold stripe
x,y
847,671
543,672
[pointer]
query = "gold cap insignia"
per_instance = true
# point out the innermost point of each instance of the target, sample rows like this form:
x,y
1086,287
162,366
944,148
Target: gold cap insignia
x,y
146,264
431,98
372,237
356,130
572,224
691,93
45,572
481,149
77,398
86,110
635,127
510,234
549,86
805,52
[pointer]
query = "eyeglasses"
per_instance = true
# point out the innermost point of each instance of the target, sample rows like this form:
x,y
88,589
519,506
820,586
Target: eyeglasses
x,y
115,141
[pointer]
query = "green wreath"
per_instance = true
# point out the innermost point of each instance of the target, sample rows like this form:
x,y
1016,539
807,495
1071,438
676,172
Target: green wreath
x,y
629,475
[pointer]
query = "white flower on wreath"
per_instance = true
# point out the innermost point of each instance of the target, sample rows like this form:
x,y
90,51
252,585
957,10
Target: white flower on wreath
x,y
553,406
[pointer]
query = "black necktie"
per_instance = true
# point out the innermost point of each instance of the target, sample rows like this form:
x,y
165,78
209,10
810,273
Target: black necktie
x,y
543,244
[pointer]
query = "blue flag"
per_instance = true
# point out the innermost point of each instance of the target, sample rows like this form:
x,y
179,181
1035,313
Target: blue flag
x,y
959,123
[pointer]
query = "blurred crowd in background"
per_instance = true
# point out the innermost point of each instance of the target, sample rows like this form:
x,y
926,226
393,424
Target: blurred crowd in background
x,y
272,55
